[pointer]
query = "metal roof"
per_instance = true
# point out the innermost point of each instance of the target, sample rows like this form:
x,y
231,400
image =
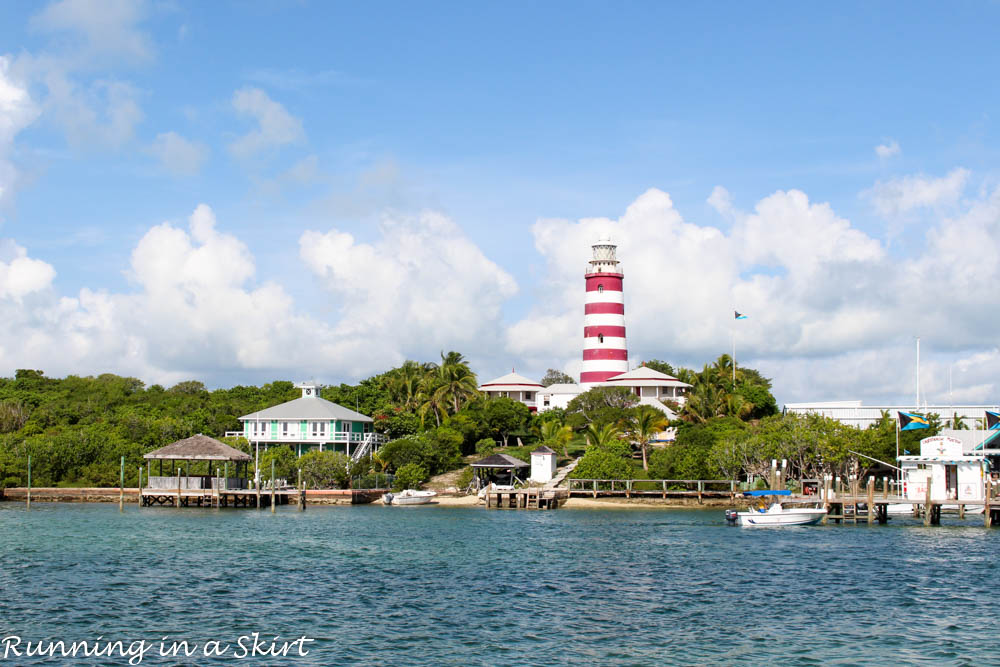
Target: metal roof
x,y
500,461
510,382
307,408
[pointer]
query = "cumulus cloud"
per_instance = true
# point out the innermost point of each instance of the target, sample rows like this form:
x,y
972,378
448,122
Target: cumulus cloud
x,y
423,286
832,314
17,111
179,155
21,275
98,29
903,195
275,126
101,114
888,149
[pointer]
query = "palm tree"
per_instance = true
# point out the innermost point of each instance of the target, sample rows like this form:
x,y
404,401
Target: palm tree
x,y
647,422
602,436
557,433
957,423
457,389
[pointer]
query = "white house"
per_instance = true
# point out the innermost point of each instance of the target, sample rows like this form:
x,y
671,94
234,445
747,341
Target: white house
x,y
952,474
513,386
651,386
311,422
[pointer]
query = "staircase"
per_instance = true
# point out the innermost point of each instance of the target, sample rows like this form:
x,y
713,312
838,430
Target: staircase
x,y
365,448
562,474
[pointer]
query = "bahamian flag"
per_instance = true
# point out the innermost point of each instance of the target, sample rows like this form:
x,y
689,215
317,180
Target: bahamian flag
x,y
992,421
739,315
911,421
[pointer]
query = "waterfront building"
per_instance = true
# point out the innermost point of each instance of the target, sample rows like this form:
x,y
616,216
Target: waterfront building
x,y
605,352
943,463
513,386
311,422
543,465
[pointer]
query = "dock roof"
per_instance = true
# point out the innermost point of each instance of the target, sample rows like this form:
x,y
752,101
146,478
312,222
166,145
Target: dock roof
x,y
198,448
500,461
307,408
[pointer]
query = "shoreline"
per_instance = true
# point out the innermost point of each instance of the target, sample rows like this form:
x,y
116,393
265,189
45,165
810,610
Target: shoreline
x,y
320,497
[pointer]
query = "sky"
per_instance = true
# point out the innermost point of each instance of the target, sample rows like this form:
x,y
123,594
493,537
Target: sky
x,y
243,192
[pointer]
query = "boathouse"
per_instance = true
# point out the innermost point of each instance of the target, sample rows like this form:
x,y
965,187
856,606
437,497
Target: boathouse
x,y
311,422
952,474
216,466
499,468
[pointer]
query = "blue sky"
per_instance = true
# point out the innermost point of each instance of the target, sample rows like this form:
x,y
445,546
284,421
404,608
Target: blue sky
x,y
295,121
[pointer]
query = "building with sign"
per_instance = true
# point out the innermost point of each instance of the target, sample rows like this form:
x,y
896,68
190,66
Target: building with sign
x,y
952,474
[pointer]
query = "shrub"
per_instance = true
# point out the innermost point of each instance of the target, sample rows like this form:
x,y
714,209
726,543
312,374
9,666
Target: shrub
x,y
410,476
325,470
599,463
284,463
465,478
486,446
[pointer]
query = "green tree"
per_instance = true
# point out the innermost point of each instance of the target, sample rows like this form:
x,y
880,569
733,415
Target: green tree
x,y
325,470
410,476
553,376
600,405
644,424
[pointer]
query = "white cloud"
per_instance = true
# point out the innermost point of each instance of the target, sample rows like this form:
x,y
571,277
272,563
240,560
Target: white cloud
x,y
179,155
832,314
17,111
906,194
423,286
102,114
888,149
21,275
101,29
275,126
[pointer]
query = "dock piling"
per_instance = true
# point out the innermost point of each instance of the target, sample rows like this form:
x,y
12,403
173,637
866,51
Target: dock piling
x,y
121,487
178,487
871,500
27,503
273,510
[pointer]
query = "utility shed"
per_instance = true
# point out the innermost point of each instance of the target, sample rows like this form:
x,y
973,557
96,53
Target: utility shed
x,y
543,464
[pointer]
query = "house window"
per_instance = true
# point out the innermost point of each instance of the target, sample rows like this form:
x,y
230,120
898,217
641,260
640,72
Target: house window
x,y
261,426
545,401
318,429
284,429
600,338
527,395
600,288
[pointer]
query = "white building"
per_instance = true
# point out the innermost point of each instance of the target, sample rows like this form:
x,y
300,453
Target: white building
x,y
943,463
853,413
557,396
543,465
311,422
513,386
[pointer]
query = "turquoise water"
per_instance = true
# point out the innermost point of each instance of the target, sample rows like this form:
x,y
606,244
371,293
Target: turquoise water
x,y
467,586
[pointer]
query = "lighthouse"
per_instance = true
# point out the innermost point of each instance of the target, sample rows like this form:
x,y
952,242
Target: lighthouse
x,y
605,353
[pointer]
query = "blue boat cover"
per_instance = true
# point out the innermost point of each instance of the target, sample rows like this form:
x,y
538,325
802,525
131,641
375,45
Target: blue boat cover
x,y
782,492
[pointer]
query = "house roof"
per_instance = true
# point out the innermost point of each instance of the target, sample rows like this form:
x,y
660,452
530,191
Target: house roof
x,y
510,382
544,450
198,448
500,461
644,376
306,408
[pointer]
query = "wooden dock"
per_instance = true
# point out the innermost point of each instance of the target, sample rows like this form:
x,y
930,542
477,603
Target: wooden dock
x,y
531,498
698,489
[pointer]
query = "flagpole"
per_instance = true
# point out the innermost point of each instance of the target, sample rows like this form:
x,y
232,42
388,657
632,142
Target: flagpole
x,y
897,453
734,355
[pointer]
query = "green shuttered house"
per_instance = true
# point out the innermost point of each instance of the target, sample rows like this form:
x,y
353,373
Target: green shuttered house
x,y
312,422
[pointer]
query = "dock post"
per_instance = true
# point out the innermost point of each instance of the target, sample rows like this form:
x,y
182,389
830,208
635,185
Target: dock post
x,y
140,486
885,488
927,503
27,504
988,513
121,487
595,487
871,500
218,487
826,497
302,492
664,489
628,488
701,487
961,510
178,488
273,510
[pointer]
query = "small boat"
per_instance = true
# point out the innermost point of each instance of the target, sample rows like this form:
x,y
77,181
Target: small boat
x,y
774,514
408,497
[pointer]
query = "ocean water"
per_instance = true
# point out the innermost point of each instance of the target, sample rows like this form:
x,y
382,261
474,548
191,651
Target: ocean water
x,y
378,585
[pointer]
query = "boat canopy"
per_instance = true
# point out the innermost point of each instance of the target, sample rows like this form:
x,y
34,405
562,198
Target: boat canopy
x,y
767,492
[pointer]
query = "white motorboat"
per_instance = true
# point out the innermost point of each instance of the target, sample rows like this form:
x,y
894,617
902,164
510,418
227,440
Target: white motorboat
x,y
408,497
775,514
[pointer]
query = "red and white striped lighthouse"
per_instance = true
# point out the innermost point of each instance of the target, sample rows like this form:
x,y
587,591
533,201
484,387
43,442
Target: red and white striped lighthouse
x,y
605,353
